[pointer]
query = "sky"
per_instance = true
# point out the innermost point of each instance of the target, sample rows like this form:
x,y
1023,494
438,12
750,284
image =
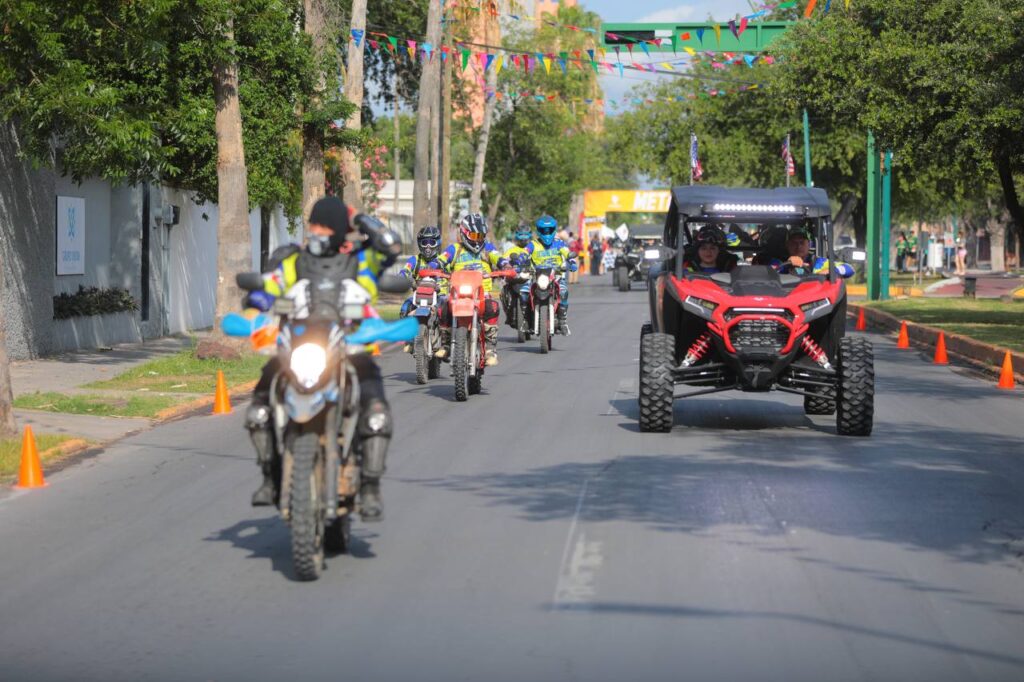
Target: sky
x,y
657,11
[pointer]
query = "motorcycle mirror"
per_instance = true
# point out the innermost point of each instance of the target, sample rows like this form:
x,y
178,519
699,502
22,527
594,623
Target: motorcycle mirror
x,y
393,284
249,281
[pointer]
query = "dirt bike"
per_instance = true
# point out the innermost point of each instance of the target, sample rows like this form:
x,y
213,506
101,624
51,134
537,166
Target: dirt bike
x,y
428,339
515,295
545,298
468,345
314,402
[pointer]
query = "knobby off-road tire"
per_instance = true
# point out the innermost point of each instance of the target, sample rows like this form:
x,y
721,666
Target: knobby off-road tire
x,y
623,276
306,517
656,383
823,403
645,329
434,368
855,399
615,277
419,351
545,329
475,383
460,362
338,537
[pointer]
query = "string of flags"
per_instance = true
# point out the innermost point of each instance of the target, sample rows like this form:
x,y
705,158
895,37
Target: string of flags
x,y
528,62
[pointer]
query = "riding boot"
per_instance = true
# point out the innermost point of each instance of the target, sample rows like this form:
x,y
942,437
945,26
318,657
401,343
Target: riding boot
x,y
446,342
560,324
375,430
257,422
491,337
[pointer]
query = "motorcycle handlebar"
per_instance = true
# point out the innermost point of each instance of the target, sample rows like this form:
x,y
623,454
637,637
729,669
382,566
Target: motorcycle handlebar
x,y
502,273
433,273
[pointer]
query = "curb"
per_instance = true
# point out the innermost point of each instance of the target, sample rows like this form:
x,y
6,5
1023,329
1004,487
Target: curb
x,y
191,407
894,291
983,356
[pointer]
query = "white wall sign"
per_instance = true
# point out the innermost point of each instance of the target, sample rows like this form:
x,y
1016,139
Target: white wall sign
x,y
70,236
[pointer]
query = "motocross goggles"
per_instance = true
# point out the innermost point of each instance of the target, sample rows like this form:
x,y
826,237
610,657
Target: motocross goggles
x,y
429,242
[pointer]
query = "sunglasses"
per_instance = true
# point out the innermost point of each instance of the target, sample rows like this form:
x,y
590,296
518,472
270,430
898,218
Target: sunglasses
x,y
430,242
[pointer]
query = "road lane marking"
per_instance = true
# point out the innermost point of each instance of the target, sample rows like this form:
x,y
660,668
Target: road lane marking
x,y
581,560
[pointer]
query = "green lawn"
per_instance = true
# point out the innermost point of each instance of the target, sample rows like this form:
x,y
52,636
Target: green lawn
x,y
98,405
991,321
184,373
10,451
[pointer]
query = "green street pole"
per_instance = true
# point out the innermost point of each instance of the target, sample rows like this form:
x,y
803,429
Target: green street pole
x,y
871,268
807,149
886,230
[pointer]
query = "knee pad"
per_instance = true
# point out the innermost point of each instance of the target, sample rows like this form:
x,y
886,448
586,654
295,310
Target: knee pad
x,y
375,420
490,310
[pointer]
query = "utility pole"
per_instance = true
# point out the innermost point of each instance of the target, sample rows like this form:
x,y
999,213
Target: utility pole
x,y
871,266
353,191
807,149
886,229
397,135
435,148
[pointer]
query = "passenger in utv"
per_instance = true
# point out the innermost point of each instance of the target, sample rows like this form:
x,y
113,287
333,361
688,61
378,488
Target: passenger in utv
x,y
711,258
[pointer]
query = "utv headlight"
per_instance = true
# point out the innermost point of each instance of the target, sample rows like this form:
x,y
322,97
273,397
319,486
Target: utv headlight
x,y
816,309
701,306
308,362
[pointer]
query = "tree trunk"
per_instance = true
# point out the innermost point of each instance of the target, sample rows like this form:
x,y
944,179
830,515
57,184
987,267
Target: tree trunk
x,y
995,226
444,211
397,137
353,192
481,145
429,78
844,217
435,149
313,180
234,242
492,210
7,425
1010,196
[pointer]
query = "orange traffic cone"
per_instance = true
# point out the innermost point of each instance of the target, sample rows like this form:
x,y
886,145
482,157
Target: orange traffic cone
x,y
31,474
940,350
1006,376
861,323
221,402
903,341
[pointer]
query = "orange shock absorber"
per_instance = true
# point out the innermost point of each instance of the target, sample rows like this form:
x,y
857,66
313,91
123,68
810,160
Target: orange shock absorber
x,y
815,351
698,349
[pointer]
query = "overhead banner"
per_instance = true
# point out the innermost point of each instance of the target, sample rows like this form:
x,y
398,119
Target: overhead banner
x,y
597,203
70,236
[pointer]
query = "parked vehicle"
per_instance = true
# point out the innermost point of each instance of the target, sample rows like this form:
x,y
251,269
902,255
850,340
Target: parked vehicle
x,y
643,250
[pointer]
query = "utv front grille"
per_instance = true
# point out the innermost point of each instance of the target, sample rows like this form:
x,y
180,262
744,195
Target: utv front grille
x,y
751,336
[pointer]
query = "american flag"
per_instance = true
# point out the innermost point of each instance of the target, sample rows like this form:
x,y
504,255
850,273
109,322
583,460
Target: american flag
x,y
787,156
695,168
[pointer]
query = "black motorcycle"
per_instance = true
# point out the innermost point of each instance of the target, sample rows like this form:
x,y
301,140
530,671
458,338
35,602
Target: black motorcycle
x,y
314,405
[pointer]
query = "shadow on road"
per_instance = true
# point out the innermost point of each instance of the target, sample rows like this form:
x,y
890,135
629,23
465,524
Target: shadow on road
x,y
269,538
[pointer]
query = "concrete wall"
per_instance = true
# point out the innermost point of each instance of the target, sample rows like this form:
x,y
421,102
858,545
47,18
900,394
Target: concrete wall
x,y
27,250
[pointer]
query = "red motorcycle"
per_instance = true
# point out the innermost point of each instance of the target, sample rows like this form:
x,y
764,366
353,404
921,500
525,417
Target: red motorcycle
x,y
468,346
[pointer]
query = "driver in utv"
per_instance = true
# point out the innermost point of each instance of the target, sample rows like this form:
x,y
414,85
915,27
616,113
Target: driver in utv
x,y
799,262
329,246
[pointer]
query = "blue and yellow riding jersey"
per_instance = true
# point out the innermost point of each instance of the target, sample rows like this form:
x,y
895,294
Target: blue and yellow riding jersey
x,y
456,257
412,268
284,272
554,256
820,266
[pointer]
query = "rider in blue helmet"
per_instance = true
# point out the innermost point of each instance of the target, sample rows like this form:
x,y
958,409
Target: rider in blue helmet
x,y
550,251
518,255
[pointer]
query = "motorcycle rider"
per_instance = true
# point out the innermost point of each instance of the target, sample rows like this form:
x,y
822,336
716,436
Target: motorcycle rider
x,y
798,245
473,252
428,242
549,251
518,255
331,245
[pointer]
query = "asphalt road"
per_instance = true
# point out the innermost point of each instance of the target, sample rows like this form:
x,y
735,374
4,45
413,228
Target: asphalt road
x,y
534,534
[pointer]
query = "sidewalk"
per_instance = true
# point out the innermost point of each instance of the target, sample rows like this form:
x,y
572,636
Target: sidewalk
x,y
69,372
989,285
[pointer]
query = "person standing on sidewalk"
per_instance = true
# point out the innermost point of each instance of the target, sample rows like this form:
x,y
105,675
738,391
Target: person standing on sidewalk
x,y
901,252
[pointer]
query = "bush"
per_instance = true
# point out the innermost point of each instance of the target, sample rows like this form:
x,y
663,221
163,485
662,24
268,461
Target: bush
x,y
92,301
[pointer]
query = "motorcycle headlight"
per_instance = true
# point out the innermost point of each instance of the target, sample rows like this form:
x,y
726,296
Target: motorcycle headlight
x,y
652,254
308,362
701,306
816,309
543,281
466,290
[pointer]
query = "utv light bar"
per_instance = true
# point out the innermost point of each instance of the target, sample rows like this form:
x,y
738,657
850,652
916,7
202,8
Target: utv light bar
x,y
755,208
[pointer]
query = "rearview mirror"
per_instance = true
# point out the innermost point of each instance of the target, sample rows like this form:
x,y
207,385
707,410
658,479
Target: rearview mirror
x,y
249,281
393,284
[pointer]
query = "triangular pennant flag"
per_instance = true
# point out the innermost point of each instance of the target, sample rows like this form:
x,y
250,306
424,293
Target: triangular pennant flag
x,y
498,64
718,33
428,50
547,63
646,51
590,53
482,56
750,59
742,28
620,69
561,63
374,45
618,54
411,48
594,64
689,50
357,35
392,43
700,35
629,46
733,29
465,58
684,36
488,62
576,53
609,66
667,66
